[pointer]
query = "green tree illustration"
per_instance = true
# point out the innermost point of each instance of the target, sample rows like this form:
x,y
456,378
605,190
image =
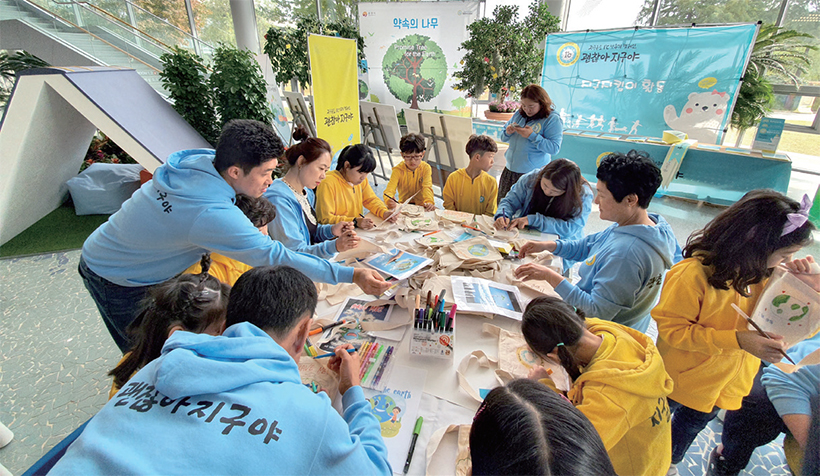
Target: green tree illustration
x,y
414,69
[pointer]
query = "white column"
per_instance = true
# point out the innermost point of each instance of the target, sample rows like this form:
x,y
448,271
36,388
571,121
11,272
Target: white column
x,y
244,25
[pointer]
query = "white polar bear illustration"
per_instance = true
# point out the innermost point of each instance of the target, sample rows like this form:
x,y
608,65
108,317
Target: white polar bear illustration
x,y
701,117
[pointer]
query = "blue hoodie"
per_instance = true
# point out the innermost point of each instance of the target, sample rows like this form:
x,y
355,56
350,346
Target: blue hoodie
x,y
231,404
517,201
289,226
791,393
622,271
535,151
186,210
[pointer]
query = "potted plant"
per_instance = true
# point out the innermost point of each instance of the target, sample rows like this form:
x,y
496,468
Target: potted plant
x,y
501,111
504,54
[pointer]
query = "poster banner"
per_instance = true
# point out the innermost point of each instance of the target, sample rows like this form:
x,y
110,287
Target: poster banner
x,y
277,107
412,53
644,81
334,75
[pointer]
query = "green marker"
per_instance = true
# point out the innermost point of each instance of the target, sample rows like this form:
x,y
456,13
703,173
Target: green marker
x,y
416,432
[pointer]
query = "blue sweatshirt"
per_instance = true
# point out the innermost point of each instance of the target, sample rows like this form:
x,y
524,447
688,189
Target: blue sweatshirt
x,y
791,393
622,271
231,404
516,203
535,151
289,226
186,210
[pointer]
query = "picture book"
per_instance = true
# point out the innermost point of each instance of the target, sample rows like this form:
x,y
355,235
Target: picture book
x,y
482,296
357,311
397,263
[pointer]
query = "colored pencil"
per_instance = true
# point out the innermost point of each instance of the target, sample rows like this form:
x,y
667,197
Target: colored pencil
x,y
432,232
331,354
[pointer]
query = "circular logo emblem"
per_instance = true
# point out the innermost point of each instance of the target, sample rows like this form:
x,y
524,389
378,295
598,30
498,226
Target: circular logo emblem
x,y
478,250
536,128
481,199
600,157
568,54
444,340
527,357
364,14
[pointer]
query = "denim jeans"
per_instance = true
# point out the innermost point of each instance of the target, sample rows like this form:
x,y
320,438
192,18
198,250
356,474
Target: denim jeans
x,y
118,305
755,424
686,424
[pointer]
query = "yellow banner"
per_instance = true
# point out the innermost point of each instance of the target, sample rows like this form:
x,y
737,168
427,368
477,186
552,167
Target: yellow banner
x,y
334,74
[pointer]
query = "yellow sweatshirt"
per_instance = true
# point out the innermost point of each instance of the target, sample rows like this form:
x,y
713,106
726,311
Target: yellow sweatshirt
x,y
409,182
337,200
697,338
623,393
464,194
222,268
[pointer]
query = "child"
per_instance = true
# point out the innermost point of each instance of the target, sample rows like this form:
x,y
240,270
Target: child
x,y
555,199
190,302
472,189
618,381
295,224
706,346
344,191
260,212
525,428
411,175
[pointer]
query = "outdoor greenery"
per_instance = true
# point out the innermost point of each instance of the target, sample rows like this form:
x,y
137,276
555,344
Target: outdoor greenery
x,y
10,65
503,53
186,78
240,89
288,50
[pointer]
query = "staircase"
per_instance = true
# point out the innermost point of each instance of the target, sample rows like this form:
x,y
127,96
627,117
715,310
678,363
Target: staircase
x,y
80,34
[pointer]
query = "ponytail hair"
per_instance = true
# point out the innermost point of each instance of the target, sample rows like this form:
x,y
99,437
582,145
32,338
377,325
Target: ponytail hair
x,y
193,301
550,322
311,148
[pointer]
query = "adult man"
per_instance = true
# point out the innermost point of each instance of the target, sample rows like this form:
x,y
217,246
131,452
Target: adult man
x,y
235,404
187,209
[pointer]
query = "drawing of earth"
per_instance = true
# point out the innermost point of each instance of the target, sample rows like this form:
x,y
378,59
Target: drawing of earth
x,y
387,408
478,250
403,265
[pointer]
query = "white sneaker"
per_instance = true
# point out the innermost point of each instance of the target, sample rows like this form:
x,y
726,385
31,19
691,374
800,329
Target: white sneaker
x,y
673,470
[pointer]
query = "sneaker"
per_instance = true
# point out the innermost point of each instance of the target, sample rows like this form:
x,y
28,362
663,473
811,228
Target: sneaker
x,y
673,470
717,465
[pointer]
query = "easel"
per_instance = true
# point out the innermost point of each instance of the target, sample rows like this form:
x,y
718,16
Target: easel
x,y
301,115
434,141
374,136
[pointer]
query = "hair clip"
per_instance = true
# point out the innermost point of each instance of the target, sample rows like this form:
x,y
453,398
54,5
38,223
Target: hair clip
x,y
796,220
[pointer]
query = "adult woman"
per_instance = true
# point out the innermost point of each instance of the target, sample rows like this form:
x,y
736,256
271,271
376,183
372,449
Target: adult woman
x,y
345,191
624,264
555,199
534,134
295,224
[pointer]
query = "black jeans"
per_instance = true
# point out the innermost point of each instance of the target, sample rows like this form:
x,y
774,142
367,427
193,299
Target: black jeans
x,y
118,305
506,181
755,424
686,424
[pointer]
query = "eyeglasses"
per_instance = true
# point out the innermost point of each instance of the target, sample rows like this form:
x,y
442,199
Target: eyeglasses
x,y
413,156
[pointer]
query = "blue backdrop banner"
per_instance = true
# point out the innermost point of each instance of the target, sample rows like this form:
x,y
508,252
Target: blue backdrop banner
x,y
644,81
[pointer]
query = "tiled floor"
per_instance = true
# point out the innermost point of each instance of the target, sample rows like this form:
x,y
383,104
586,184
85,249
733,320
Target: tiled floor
x,y
55,351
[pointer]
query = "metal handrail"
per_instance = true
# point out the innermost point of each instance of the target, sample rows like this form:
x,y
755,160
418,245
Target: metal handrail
x,y
52,14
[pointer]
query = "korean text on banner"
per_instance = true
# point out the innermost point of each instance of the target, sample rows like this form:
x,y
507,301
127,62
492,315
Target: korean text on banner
x,y
334,75
643,81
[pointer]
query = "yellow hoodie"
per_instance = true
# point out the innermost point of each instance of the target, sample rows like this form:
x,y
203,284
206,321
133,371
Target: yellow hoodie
x,y
409,182
697,330
623,393
337,200
222,268
472,196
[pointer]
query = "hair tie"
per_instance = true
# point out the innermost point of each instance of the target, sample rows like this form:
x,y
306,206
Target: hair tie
x,y
560,344
798,219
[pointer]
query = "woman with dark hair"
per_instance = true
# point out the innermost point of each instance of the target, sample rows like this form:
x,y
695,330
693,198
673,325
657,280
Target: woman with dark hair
x,y
556,199
617,380
526,428
341,196
295,224
534,134
623,266
709,352
190,302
